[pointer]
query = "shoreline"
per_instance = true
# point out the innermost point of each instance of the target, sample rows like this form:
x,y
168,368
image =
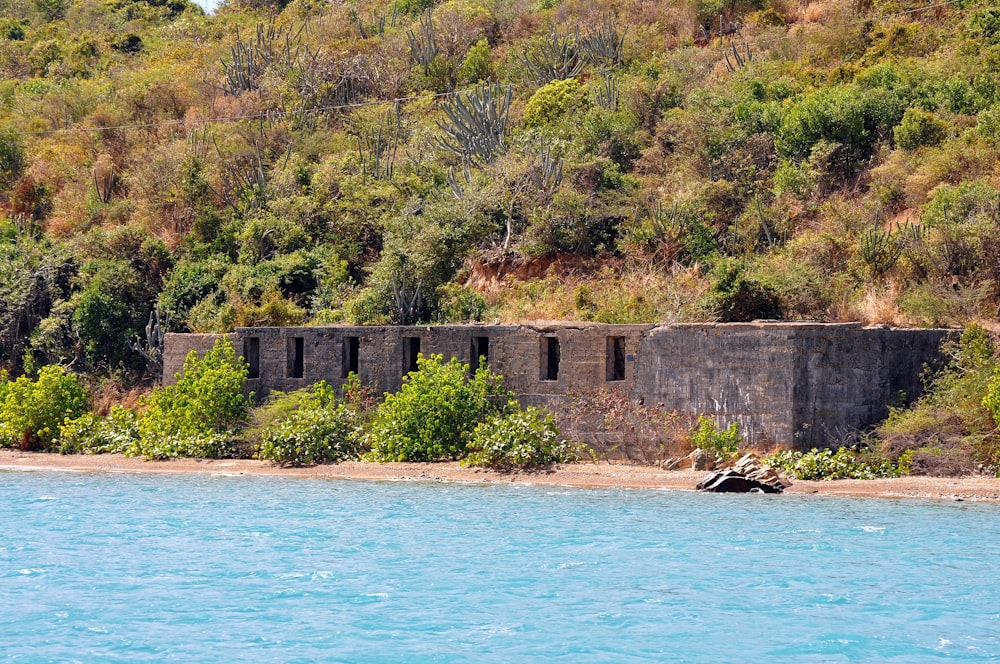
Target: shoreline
x,y
976,488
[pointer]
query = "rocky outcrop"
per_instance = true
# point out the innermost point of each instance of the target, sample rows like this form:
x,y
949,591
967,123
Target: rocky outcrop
x,y
745,476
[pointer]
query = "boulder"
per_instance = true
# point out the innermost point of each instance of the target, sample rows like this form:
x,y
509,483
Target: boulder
x,y
745,476
701,460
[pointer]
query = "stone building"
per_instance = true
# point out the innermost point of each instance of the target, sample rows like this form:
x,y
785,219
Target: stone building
x,y
788,384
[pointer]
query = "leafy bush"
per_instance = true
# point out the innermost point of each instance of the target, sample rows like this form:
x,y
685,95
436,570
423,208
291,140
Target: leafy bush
x,y
519,439
552,101
320,429
919,128
738,297
849,119
825,464
197,415
89,434
433,415
32,410
951,429
707,436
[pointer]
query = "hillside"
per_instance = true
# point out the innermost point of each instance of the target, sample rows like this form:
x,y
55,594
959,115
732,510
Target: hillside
x,y
374,162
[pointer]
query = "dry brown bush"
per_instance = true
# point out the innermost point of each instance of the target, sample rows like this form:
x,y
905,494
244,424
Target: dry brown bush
x,y
617,428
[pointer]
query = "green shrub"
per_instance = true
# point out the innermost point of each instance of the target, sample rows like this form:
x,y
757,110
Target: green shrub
x,y
320,429
849,119
89,434
988,124
434,413
738,297
519,439
552,101
197,415
825,464
919,128
707,436
32,410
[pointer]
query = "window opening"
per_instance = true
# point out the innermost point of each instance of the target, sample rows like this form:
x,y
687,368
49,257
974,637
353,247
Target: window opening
x,y
251,353
550,358
615,364
352,346
295,357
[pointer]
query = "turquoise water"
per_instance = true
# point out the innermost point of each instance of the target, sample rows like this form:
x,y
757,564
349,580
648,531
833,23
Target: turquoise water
x,y
106,568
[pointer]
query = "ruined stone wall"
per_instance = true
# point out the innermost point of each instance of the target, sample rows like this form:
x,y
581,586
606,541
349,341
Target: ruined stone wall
x,y
788,384
177,346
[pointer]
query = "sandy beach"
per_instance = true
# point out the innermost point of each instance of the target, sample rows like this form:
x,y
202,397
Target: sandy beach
x,y
583,475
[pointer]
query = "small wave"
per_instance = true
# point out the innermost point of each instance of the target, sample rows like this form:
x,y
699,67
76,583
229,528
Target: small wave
x,y
873,529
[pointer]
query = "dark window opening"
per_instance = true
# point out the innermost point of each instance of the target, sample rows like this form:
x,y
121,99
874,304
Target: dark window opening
x,y
411,349
550,358
615,365
480,355
295,357
251,353
352,346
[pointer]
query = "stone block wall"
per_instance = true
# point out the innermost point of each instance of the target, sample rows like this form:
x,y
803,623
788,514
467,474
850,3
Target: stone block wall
x,y
787,384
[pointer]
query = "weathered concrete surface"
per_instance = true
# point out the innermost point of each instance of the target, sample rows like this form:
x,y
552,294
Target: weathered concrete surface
x,y
787,384
177,346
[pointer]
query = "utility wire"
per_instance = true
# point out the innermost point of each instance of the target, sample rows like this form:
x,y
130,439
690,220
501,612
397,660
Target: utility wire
x,y
235,118
440,95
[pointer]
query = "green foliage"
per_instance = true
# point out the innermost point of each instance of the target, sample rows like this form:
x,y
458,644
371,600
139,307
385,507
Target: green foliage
x,y
518,439
552,101
848,120
317,429
919,128
826,464
478,63
721,443
89,434
739,297
432,417
31,411
197,415
952,427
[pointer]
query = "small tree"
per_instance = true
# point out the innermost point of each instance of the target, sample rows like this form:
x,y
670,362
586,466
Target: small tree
x,y
197,415
31,411
432,416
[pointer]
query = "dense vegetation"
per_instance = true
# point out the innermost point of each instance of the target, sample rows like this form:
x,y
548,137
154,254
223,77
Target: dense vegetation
x,y
163,169
372,161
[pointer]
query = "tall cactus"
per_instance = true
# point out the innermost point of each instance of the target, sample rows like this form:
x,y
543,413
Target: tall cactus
x,y
604,45
249,59
556,59
377,147
477,126
423,47
879,250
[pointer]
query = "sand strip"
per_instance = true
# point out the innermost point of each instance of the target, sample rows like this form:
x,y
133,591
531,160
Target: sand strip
x,y
583,475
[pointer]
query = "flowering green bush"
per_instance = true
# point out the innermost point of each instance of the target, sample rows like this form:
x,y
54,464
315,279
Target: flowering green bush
x,y
519,439
708,437
198,415
322,429
32,410
825,464
432,416
89,434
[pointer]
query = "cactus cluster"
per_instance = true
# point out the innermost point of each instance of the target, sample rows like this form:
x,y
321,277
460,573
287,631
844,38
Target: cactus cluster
x,y
249,59
477,126
423,46
377,147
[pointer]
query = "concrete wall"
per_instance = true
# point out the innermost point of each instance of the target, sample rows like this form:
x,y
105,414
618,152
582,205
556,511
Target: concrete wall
x,y
177,346
790,384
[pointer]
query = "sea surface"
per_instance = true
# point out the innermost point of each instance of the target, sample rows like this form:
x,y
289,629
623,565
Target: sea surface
x,y
124,568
